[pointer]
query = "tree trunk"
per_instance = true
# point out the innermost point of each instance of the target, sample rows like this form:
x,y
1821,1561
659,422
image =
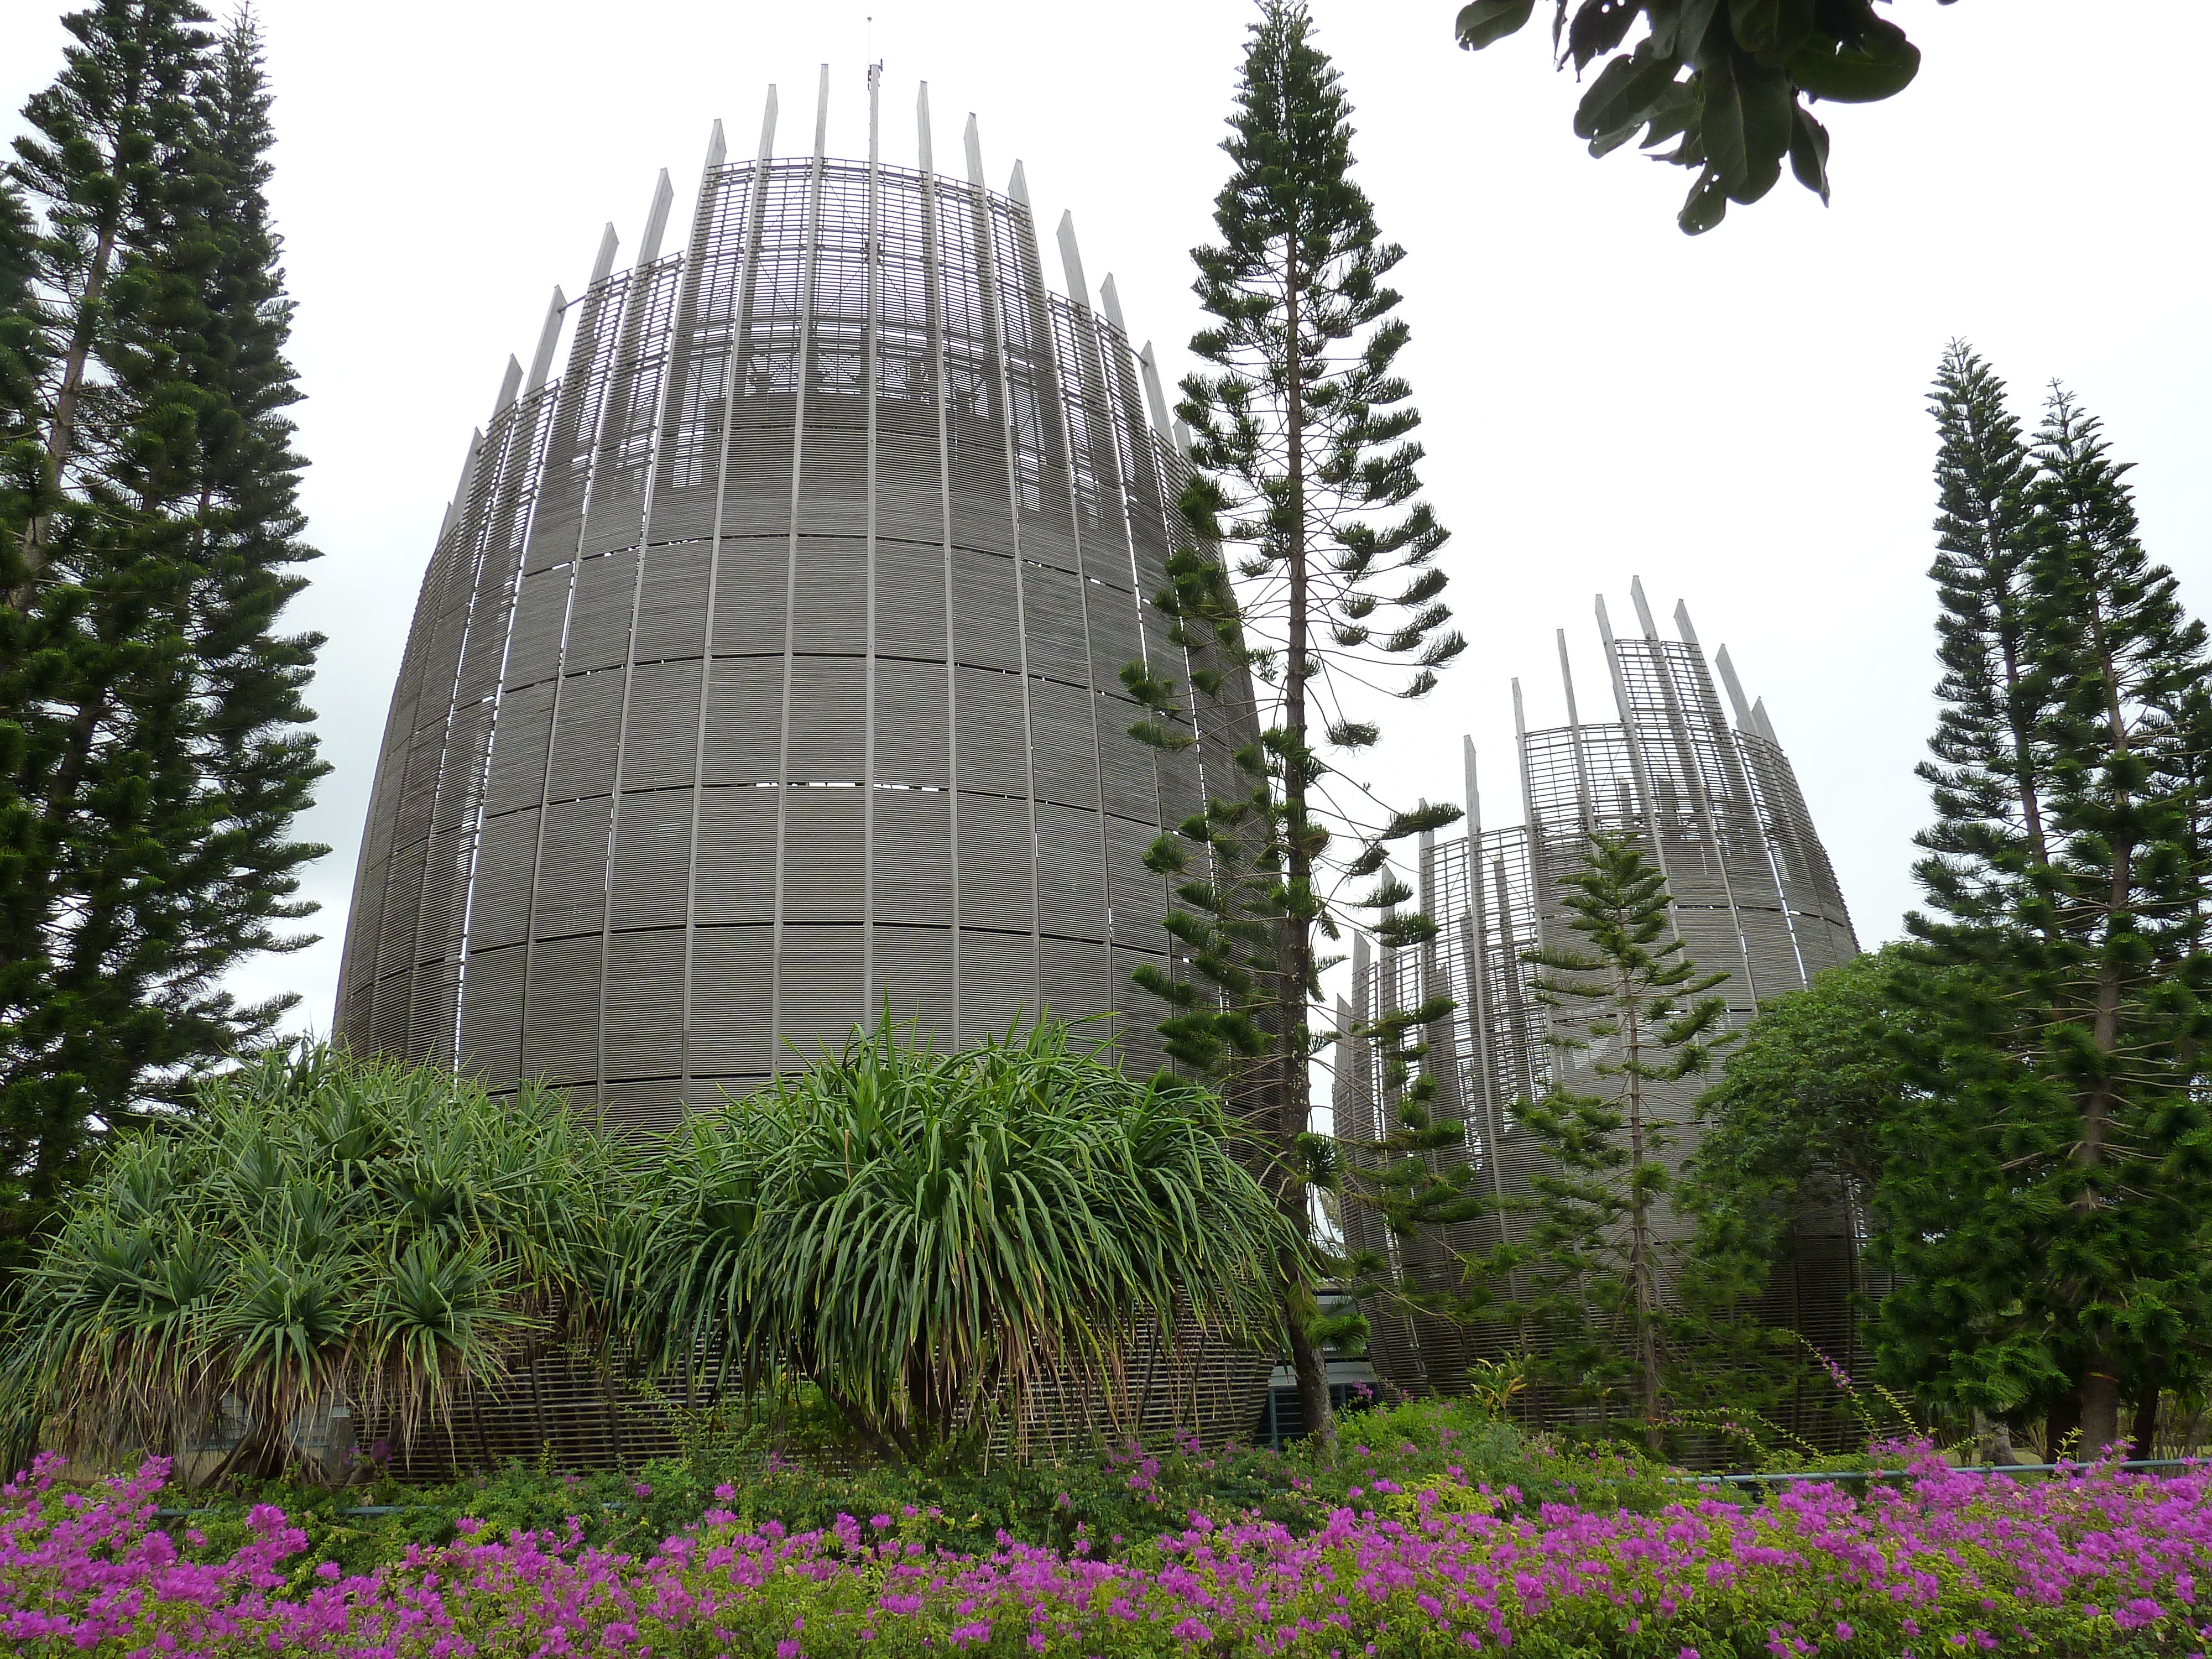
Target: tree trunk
x,y
1312,1373
2062,1424
2142,1420
1639,1233
2100,1408
2000,1452
61,436
2100,1385
2031,798
1311,1368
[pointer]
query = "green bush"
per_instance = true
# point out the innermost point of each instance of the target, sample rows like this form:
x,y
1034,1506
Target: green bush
x,y
1115,1499
916,1236
319,1229
923,1235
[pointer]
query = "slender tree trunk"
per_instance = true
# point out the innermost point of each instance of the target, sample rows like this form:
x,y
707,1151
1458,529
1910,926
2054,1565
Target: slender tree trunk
x,y
1639,1233
1308,1365
2100,1385
1291,1113
2062,1423
2142,1418
2031,794
84,728
61,436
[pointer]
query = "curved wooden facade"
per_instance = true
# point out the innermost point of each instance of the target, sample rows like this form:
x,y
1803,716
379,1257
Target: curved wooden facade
x,y
766,671
1716,806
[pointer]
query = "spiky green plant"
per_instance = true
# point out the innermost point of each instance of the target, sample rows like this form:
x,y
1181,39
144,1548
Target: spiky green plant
x,y
320,1230
925,1235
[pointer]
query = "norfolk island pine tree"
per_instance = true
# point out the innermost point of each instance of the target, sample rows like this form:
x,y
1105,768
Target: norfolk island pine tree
x,y
1586,1280
1305,465
147,836
90,174
2048,1240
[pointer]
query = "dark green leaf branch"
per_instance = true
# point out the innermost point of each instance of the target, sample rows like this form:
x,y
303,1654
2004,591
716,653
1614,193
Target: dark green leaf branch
x,y
1726,82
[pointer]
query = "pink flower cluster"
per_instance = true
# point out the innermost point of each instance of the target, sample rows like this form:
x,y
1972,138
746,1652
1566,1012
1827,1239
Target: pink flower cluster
x,y
1940,1564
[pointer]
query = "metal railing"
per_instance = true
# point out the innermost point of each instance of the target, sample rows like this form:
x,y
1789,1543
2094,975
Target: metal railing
x,y
1776,1478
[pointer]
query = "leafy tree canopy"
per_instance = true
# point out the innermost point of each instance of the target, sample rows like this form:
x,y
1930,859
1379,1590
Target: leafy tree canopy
x,y
1799,1129
1728,82
1804,1098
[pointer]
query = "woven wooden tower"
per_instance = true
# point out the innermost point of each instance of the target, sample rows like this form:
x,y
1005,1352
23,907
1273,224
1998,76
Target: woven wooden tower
x,y
1716,806
767,669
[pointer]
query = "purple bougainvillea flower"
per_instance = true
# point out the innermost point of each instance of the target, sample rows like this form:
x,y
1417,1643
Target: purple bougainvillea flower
x,y
1940,1561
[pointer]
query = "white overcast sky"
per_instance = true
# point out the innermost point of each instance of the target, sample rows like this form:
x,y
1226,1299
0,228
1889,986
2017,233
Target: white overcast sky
x,y
1737,418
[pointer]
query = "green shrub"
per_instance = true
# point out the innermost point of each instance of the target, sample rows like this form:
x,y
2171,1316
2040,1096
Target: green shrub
x,y
319,1229
1115,1499
923,1235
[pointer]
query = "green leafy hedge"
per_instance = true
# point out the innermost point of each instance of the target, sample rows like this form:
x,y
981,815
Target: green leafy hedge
x,y
1113,1498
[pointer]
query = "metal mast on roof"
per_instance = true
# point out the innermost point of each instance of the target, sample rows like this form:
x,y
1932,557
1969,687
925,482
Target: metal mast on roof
x,y
1582,792
603,291
644,278
987,251
548,337
1739,780
1693,775
1637,763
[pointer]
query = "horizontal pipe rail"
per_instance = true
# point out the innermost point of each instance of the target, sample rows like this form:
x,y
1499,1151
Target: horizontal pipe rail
x,y
1964,1468
1671,1479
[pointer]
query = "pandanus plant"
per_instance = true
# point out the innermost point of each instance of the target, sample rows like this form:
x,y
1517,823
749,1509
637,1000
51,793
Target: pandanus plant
x,y
319,1229
925,1236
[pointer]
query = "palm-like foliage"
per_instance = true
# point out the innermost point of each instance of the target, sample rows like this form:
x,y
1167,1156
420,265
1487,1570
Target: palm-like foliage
x,y
925,1235
320,1230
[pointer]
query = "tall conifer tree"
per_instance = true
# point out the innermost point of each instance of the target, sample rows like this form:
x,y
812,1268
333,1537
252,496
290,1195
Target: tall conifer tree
x,y
1302,436
1989,768
253,733
100,139
147,846
1585,1283
91,167
2125,974
23,350
2047,1230
1949,1224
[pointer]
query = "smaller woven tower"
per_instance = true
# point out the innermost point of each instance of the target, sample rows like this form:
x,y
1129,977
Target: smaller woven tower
x,y
1716,806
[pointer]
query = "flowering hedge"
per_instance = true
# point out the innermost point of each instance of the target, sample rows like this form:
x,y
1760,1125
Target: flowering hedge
x,y
1940,1563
